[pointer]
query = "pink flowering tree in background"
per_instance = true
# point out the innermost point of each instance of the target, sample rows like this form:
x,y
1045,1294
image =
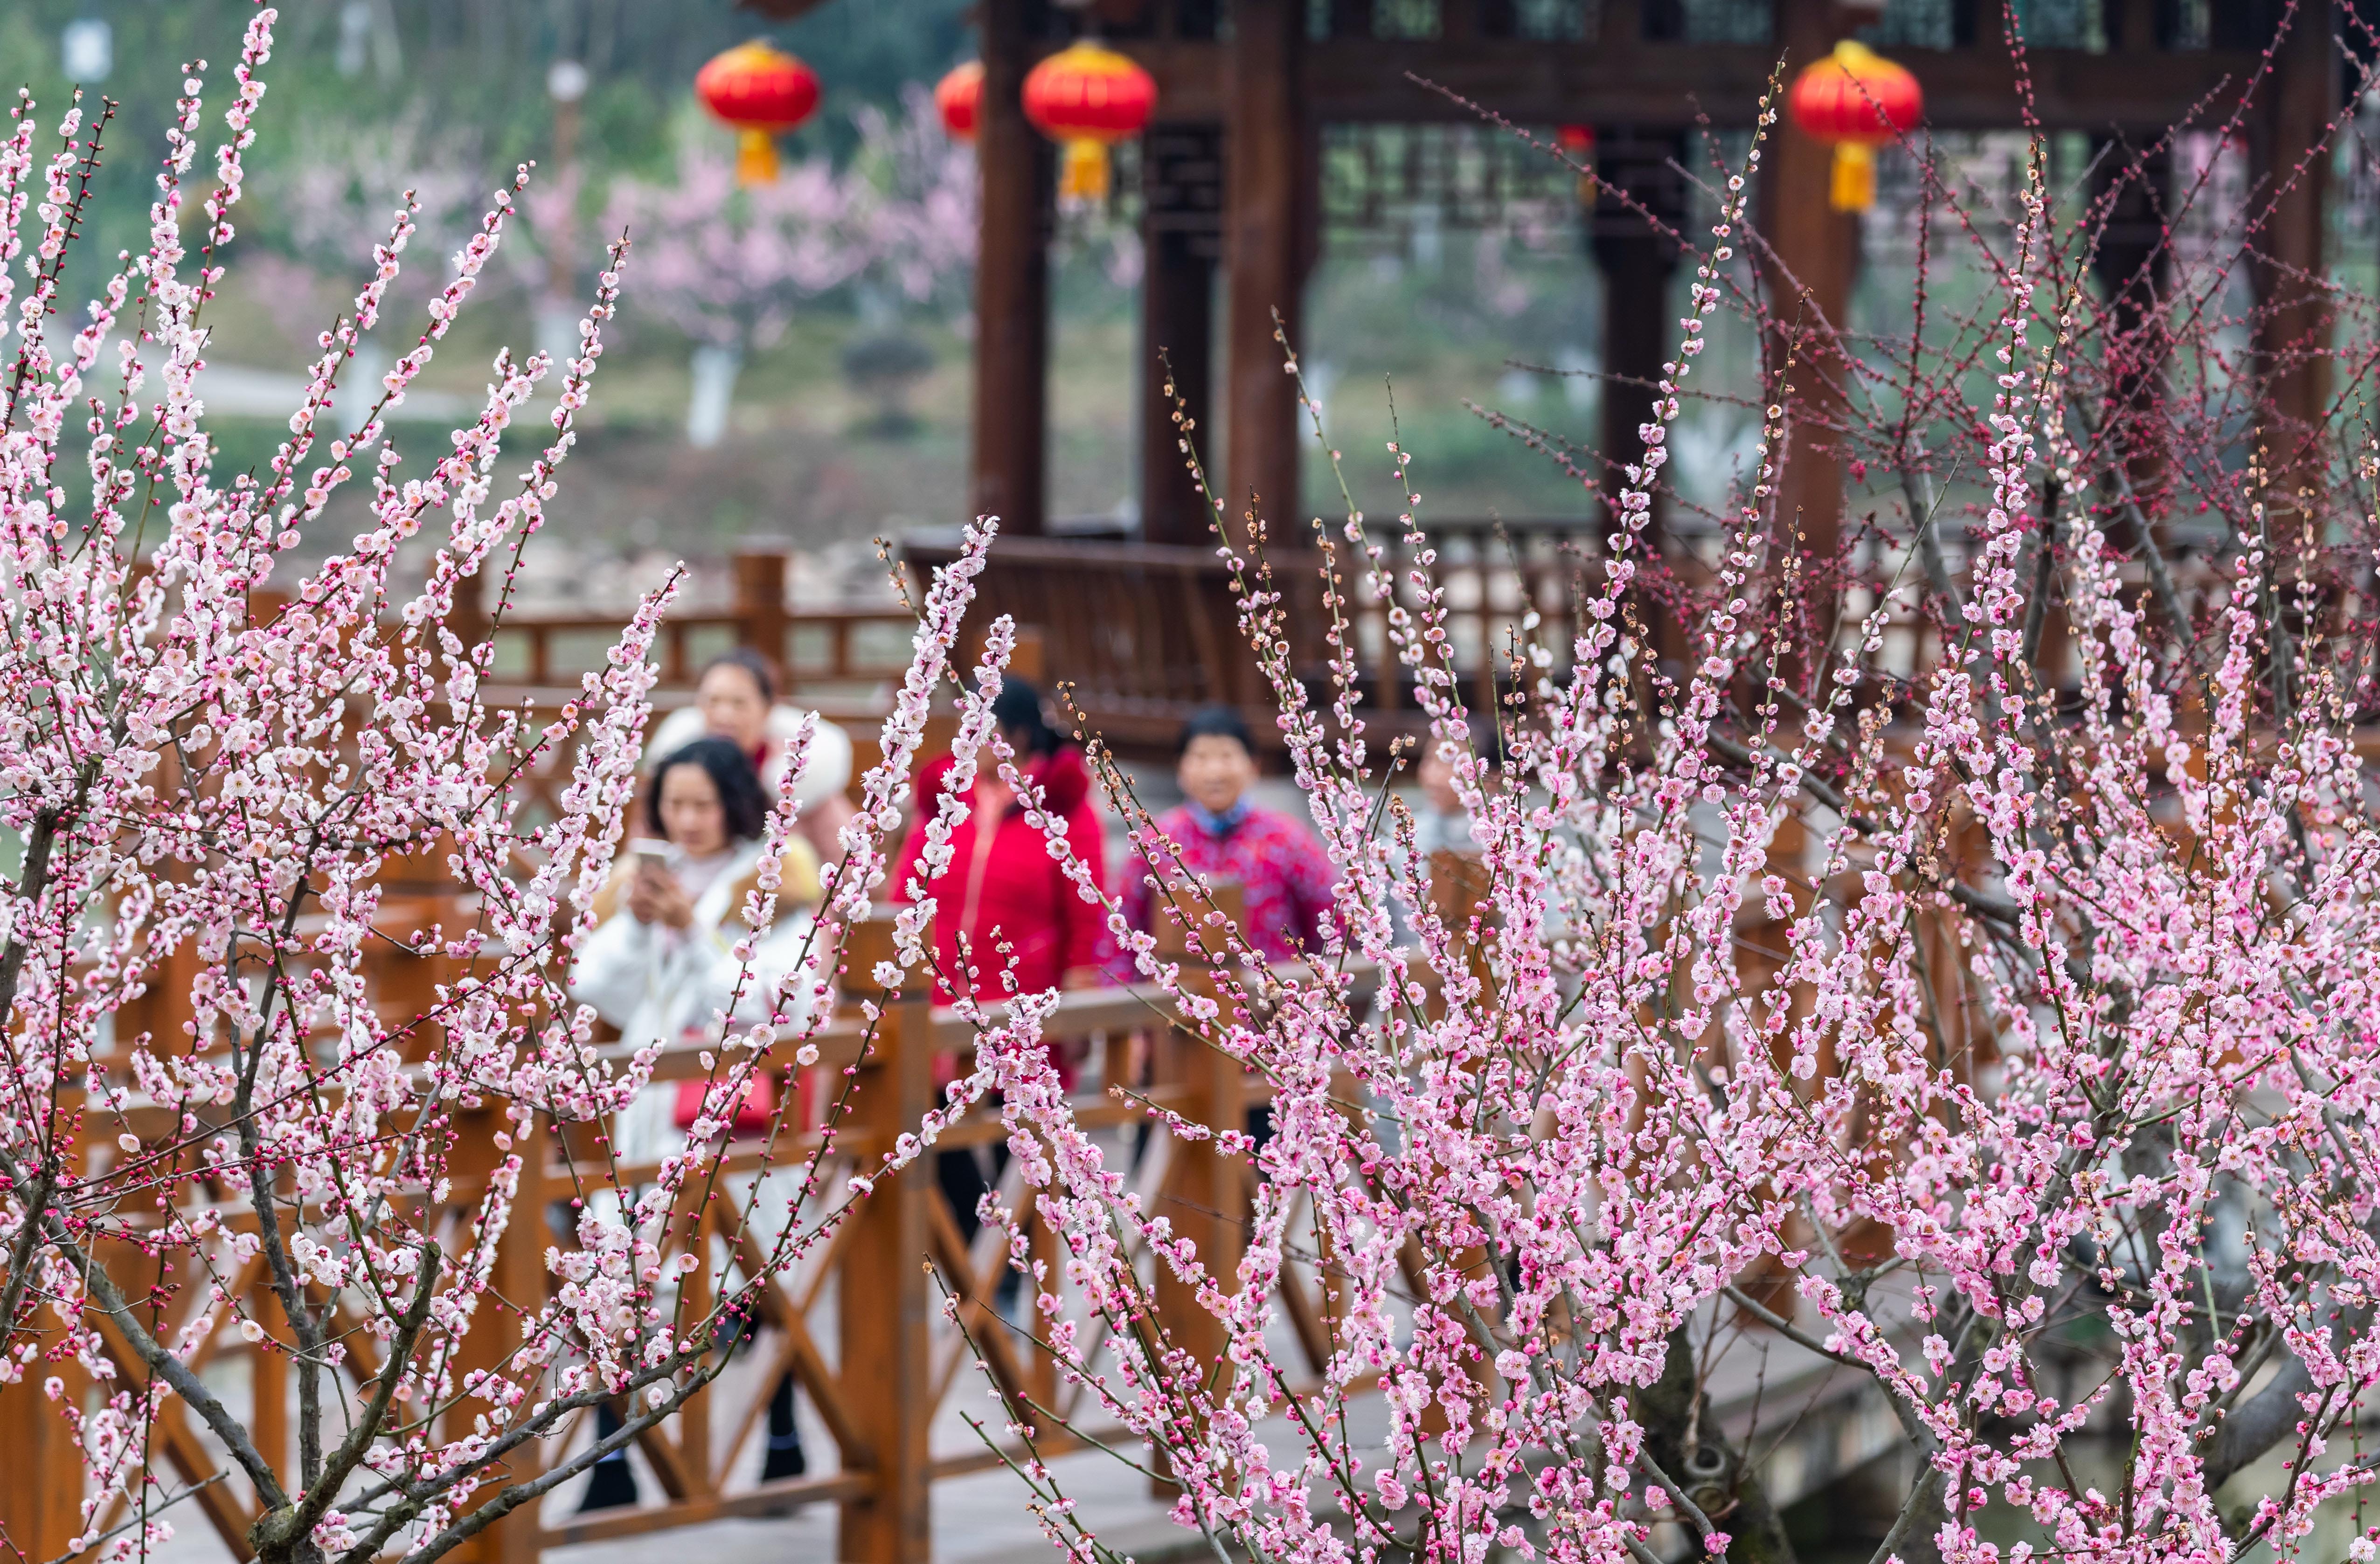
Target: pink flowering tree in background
x,y
923,200
211,757
333,201
729,264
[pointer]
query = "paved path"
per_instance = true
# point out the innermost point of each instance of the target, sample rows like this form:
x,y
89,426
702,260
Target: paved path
x,y
978,1519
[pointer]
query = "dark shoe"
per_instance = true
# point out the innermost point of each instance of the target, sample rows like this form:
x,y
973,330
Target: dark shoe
x,y
612,1482
784,1456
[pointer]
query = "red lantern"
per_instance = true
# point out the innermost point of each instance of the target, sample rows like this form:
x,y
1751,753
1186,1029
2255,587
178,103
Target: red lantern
x,y
1087,98
1855,100
759,91
956,95
1577,143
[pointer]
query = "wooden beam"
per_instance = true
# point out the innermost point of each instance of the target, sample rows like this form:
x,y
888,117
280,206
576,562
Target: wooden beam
x,y
1808,284
1667,85
1263,227
1180,239
1008,471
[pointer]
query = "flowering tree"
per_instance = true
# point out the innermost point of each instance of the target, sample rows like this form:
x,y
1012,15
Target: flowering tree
x,y
206,790
922,201
728,263
332,203
2000,1028
2040,1099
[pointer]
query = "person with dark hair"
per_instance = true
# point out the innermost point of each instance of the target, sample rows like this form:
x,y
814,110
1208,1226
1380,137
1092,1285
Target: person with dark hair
x,y
662,966
1441,824
1002,899
1286,880
736,700
1018,914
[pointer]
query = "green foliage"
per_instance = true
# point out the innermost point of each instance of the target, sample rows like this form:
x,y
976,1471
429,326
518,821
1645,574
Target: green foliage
x,y
476,66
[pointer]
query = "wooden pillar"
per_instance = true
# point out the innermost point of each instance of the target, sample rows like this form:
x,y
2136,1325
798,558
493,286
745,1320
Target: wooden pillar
x,y
1182,225
2292,170
1205,1193
761,600
1266,193
2134,264
1637,194
1808,290
1205,1198
881,1299
1008,473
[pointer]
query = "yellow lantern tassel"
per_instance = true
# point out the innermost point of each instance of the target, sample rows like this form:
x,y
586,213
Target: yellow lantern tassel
x,y
1082,172
756,158
1852,187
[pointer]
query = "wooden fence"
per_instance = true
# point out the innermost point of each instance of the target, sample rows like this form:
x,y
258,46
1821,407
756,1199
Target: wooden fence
x,y
834,649
859,1326
1144,634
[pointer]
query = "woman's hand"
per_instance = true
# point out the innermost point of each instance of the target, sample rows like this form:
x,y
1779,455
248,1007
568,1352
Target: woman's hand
x,y
655,896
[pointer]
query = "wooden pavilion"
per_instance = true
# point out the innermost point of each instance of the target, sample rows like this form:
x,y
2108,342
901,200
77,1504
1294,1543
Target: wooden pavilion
x,y
1230,201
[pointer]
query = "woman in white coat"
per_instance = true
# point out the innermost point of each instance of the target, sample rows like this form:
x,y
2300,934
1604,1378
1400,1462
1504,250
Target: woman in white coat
x,y
736,700
662,966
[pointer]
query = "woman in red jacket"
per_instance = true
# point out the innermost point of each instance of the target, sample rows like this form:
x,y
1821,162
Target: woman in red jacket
x,y
1019,912
1021,916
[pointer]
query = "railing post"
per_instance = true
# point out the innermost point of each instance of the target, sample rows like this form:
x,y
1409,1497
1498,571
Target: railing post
x,y
40,1496
1029,660
469,616
268,1372
760,599
883,1303
515,1287
41,1501
1205,1193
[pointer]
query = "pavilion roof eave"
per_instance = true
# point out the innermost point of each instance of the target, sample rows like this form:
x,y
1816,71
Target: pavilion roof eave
x,y
1674,86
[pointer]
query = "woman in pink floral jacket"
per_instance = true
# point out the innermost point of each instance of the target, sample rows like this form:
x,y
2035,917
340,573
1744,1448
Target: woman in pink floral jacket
x,y
1286,880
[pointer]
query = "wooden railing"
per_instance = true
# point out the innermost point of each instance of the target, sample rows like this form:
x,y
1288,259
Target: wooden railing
x,y
838,648
860,1325
857,1324
1144,634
